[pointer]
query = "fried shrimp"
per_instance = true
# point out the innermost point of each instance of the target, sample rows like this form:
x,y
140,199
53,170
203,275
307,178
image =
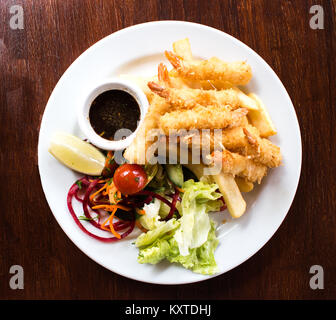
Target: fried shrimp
x,y
189,98
235,73
201,117
238,165
244,140
136,152
166,81
261,149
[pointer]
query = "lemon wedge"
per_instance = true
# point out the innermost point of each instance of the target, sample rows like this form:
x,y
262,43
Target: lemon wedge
x,y
77,154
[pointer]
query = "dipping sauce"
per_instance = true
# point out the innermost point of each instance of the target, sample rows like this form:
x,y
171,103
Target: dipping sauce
x,y
113,110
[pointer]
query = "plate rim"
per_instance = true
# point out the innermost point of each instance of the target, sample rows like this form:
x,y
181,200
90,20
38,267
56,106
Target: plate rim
x,y
211,29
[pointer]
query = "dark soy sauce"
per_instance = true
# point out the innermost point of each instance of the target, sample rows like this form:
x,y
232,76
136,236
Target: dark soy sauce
x,y
113,110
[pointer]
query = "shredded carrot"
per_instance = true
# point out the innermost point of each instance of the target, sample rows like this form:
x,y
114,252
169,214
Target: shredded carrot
x,y
108,207
100,181
110,190
115,233
97,192
106,221
108,158
110,220
113,192
179,189
140,211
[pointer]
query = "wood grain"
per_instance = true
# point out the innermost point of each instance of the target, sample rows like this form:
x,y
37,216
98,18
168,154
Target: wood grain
x,y
55,33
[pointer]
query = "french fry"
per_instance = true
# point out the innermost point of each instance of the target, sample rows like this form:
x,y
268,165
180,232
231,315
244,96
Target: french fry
x,y
141,82
231,194
228,186
261,119
243,185
246,101
182,49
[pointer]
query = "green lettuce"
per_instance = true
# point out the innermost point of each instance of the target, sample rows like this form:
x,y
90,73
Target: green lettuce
x,y
161,230
155,212
198,199
199,260
151,219
189,241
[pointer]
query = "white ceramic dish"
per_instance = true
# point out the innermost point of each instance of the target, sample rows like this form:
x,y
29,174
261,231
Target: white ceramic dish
x,y
92,92
138,50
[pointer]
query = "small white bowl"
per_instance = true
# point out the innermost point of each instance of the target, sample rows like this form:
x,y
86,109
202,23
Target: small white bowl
x,y
86,102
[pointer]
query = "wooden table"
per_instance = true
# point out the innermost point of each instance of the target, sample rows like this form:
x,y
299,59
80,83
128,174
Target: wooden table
x,y
55,33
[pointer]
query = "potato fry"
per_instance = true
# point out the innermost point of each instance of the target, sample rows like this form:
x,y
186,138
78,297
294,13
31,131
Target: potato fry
x,y
227,186
261,118
231,194
141,82
245,101
243,185
182,49
226,183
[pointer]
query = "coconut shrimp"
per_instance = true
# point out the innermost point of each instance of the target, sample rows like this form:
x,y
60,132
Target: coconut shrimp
x,y
136,152
260,149
189,98
201,117
166,80
238,165
235,73
244,140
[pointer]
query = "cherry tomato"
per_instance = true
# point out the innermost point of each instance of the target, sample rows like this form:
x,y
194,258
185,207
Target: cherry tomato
x,y
130,178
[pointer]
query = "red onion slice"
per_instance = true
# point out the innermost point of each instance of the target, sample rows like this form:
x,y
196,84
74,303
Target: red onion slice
x,y
119,225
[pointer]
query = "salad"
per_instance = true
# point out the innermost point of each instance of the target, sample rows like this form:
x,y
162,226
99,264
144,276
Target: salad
x,y
166,202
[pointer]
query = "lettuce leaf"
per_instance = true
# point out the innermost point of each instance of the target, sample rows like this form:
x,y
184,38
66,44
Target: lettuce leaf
x,y
190,241
199,260
198,199
151,219
146,239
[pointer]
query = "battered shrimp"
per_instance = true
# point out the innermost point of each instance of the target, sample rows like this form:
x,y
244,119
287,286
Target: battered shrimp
x,y
244,140
201,117
238,165
261,149
136,152
235,73
166,81
189,98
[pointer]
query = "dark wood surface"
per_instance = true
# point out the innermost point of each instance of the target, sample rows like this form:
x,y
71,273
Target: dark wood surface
x,y
55,33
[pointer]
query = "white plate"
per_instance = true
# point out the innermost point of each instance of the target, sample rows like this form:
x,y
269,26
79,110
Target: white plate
x,y
138,50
